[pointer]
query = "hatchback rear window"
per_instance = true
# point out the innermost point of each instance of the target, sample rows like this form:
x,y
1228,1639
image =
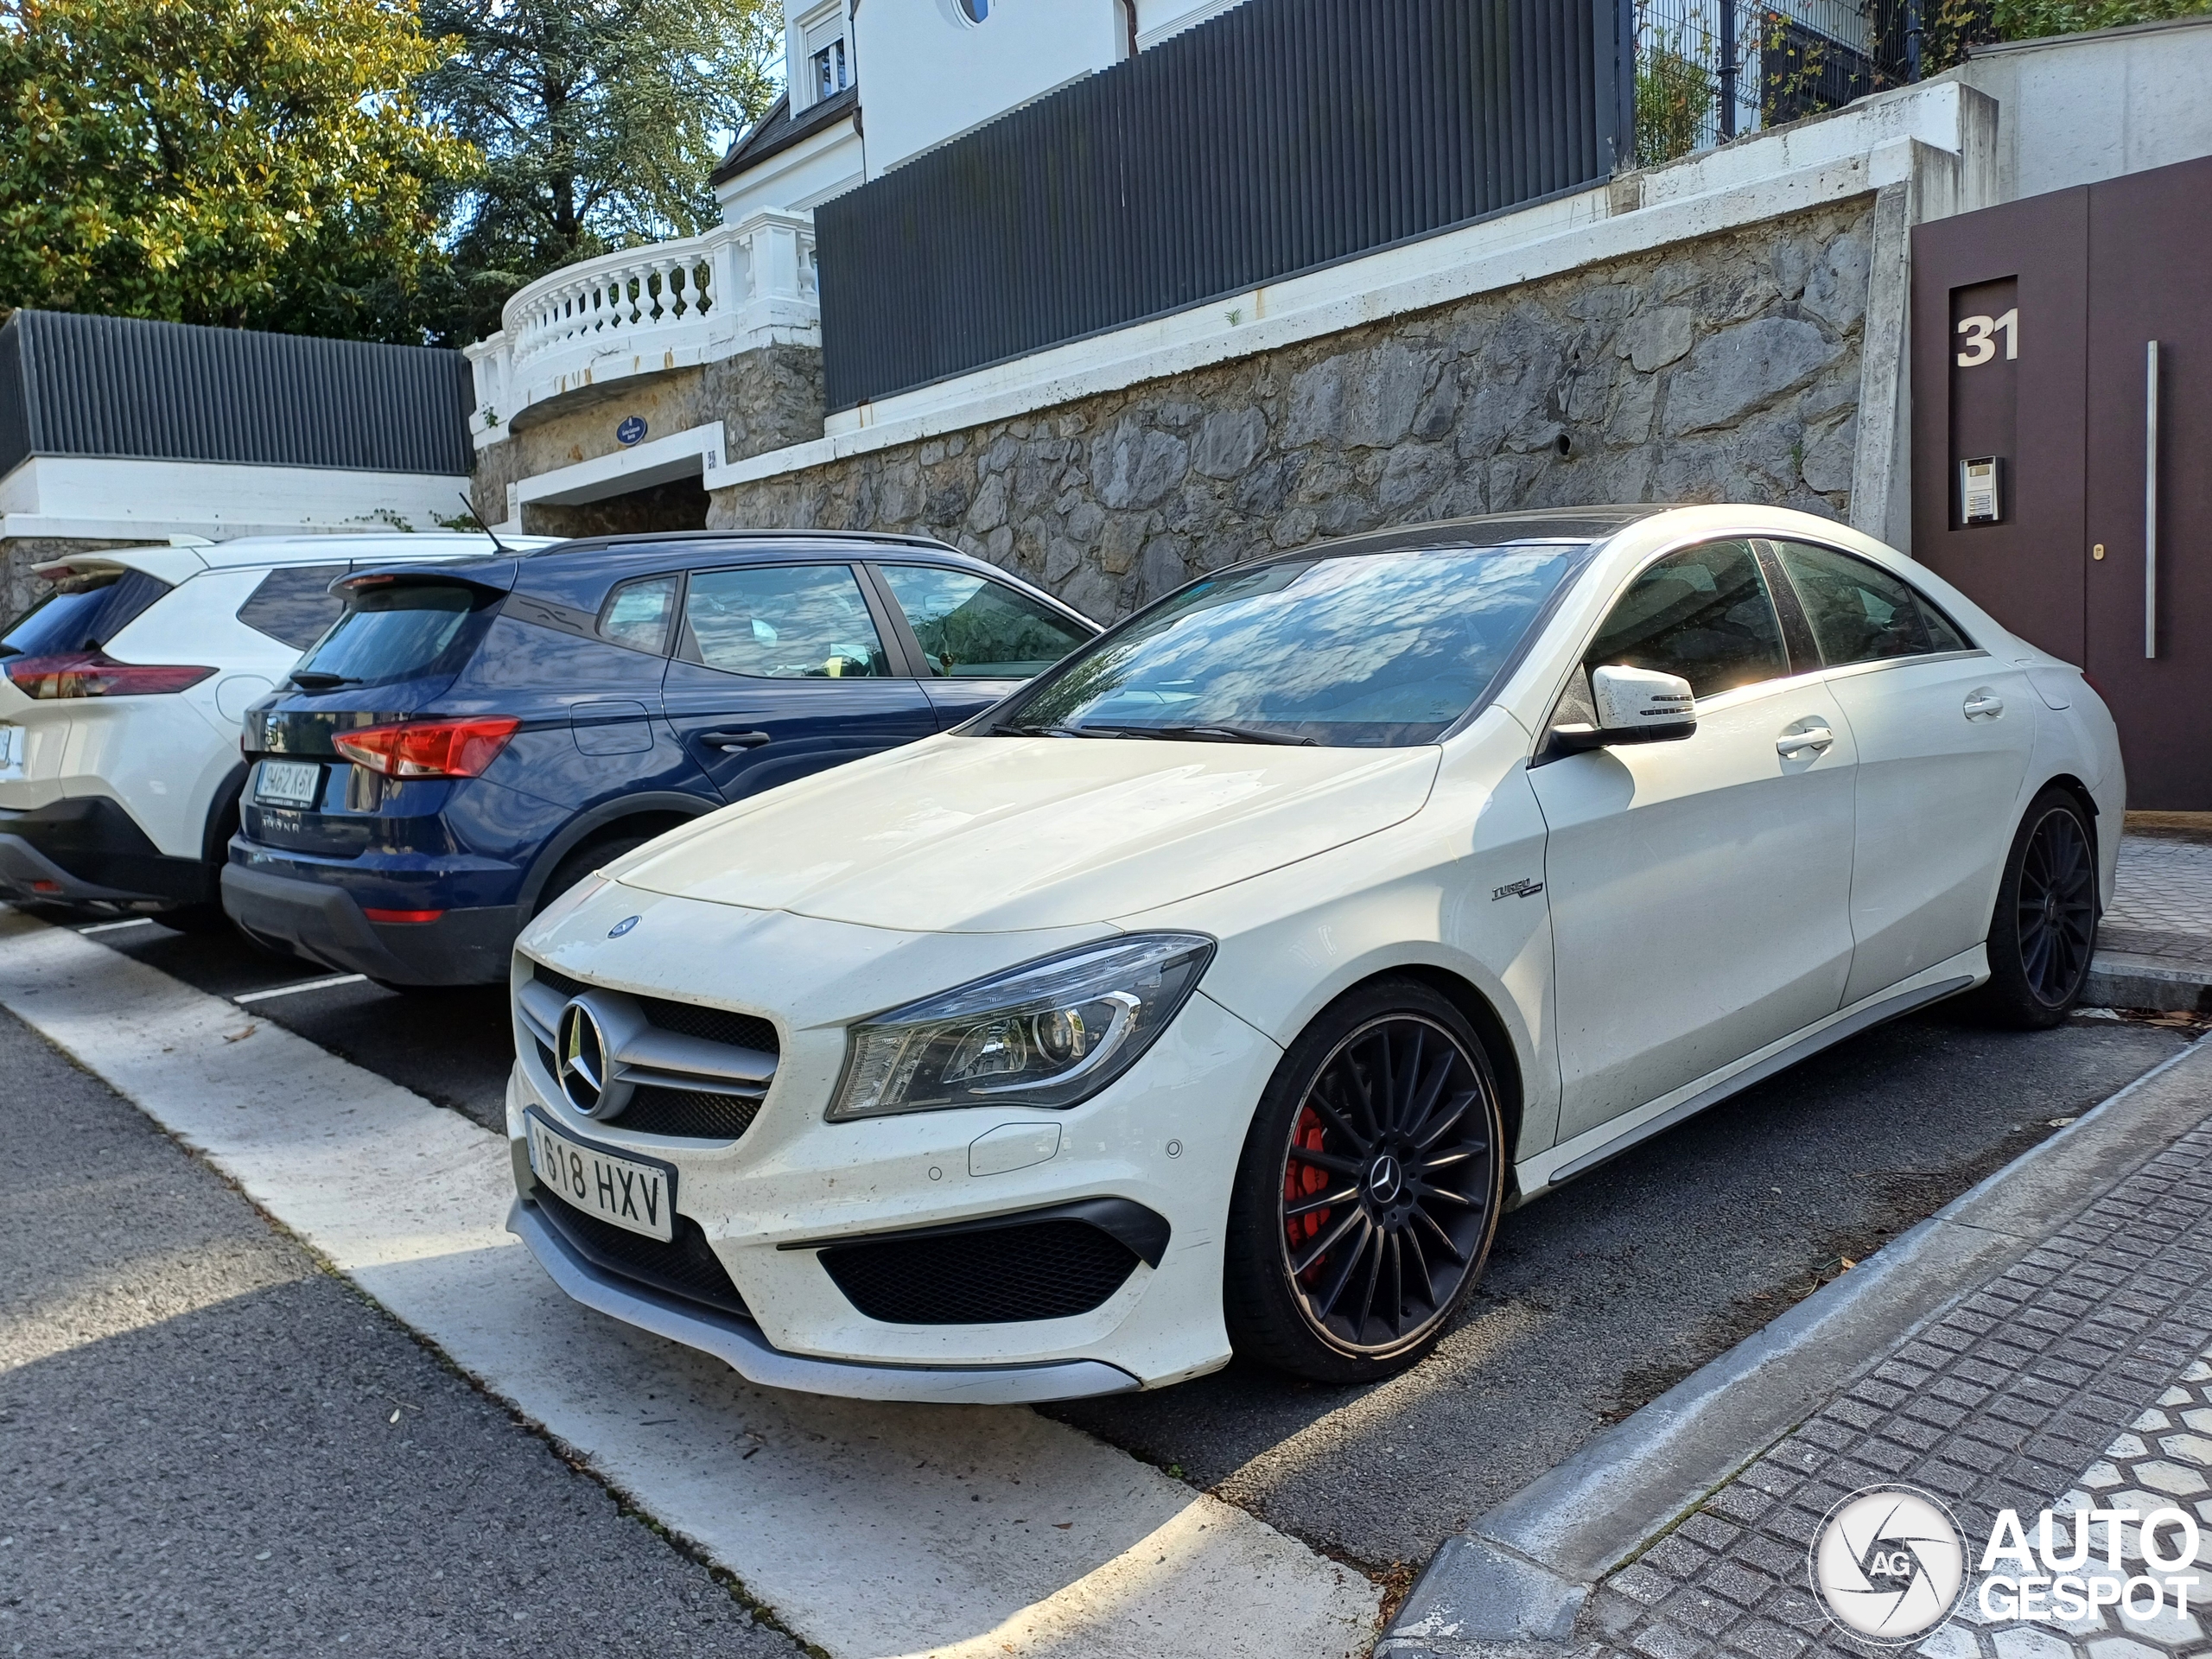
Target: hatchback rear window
x,y
81,613
394,633
293,605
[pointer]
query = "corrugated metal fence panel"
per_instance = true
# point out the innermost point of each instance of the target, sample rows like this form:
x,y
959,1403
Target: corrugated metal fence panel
x,y
14,407
1282,136
121,387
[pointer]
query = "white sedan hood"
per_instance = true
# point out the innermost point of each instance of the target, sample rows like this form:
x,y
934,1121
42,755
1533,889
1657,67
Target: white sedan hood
x,y
993,833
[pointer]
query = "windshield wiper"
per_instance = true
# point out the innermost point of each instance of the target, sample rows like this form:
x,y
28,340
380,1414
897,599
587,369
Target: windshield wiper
x,y
1227,735
1054,731
314,679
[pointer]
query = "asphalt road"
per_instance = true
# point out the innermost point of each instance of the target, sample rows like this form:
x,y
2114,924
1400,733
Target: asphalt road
x,y
209,1446
1598,1297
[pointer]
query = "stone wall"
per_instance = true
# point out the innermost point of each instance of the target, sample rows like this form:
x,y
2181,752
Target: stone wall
x,y
1723,369
766,399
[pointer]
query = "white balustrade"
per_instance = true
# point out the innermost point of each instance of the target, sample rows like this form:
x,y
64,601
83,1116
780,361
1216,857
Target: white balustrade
x,y
667,305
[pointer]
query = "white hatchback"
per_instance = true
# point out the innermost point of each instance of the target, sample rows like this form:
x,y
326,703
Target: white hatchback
x,y
121,694
1219,989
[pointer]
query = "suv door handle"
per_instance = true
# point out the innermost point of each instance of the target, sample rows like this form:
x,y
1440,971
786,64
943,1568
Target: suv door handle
x,y
1983,705
733,739
1812,737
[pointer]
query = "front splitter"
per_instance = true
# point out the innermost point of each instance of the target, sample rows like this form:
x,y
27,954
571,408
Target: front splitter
x,y
740,1344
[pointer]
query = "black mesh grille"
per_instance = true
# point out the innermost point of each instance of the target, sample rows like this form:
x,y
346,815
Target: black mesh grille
x,y
687,1266
685,1018
694,1112
999,1276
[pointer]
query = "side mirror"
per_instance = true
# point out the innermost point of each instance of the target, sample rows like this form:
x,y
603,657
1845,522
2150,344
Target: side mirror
x,y
1635,705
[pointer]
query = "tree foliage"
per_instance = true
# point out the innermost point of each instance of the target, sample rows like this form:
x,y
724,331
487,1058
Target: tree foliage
x,y
600,122
247,162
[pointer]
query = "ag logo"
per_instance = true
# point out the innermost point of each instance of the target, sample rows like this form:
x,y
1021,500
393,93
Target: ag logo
x,y
1888,1564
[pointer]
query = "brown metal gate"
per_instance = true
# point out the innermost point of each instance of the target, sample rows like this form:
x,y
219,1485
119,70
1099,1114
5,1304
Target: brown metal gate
x,y
2067,337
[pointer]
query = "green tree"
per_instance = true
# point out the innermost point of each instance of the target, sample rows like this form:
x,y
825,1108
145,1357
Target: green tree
x,y
599,121
258,163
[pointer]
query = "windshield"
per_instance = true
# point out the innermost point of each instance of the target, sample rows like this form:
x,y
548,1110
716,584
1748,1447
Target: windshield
x,y
1371,650
81,613
388,633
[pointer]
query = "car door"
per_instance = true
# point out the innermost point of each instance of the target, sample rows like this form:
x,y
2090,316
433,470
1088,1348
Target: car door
x,y
783,670
1944,733
1700,888
977,640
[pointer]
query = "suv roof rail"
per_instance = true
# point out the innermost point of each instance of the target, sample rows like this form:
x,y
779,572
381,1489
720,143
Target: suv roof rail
x,y
891,537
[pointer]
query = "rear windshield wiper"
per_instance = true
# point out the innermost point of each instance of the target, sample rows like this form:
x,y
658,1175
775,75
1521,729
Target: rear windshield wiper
x,y
314,679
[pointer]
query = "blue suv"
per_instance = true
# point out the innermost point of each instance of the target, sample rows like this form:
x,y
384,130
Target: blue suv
x,y
470,740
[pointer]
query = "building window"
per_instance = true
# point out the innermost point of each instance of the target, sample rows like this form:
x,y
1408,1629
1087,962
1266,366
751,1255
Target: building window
x,y
829,77
821,48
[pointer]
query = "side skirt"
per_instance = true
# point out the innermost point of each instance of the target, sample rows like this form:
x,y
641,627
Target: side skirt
x,y
1594,1146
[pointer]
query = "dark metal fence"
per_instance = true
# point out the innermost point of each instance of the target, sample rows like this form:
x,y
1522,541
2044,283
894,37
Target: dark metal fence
x,y
1708,70
116,386
1280,136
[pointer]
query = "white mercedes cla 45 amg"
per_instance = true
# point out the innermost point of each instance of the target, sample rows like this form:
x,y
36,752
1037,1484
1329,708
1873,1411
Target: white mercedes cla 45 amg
x,y
1219,989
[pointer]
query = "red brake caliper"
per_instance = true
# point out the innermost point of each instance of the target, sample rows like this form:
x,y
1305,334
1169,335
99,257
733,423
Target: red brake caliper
x,y
1302,1180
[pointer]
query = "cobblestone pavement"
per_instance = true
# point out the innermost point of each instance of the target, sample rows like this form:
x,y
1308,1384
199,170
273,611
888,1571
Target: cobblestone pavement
x,y
2082,1372
2162,903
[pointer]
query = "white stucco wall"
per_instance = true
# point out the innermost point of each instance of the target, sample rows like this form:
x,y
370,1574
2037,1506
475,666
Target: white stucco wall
x,y
2080,108
100,498
795,180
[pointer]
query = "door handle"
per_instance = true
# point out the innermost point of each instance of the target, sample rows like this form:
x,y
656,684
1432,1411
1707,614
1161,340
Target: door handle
x,y
1815,738
2150,501
727,740
1983,705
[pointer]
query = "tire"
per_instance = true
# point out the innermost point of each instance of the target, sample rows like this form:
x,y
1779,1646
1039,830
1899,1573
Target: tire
x,y
581,862
2045,924
1390,1072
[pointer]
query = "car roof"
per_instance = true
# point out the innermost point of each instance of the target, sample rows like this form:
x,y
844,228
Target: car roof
x,y
771,540
379,545
1493,529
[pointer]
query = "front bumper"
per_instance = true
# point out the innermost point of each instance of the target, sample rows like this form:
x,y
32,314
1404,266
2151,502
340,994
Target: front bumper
x,y
740,1344
792,1190
88,849
323,923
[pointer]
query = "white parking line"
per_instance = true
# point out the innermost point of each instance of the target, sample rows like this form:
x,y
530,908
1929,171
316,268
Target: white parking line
x,y
244,997
872,1530
110,927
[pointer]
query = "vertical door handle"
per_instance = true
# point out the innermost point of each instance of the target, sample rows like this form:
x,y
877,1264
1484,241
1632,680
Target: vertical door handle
x,y
2151,500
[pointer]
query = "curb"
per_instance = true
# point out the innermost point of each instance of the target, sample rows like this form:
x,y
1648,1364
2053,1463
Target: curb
x,y
1513,1583
2118,980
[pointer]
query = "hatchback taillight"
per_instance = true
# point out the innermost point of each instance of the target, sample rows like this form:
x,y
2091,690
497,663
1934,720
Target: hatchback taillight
x,y
95,674
428,748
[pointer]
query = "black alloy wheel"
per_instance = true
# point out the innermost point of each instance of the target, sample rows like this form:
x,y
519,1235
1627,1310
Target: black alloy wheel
x,y
1370,1190
2045,927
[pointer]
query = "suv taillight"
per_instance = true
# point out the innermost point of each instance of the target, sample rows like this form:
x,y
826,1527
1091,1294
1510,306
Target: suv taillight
x,y
429,748
95,674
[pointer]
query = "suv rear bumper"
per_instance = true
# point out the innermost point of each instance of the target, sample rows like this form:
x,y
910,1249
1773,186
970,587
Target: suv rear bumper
x,y
325,924
88,849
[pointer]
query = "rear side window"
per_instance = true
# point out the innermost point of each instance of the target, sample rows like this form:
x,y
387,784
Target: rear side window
x,y
784,622
971,627
81,613
1702,613
1861,614
396,634
294,605
636,614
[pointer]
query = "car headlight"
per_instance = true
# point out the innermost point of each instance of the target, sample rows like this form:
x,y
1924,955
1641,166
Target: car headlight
x,y
1050,1033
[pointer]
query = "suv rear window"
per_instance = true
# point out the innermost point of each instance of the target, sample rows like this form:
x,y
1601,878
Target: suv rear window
x,y
396,634
81,613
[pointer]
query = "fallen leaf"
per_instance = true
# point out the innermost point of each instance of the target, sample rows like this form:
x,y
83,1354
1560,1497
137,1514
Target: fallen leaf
x,y
394,1416
1062,1526
240,1036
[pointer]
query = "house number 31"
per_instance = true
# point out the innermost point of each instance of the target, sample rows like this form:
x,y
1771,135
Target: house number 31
x,y
1981,338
